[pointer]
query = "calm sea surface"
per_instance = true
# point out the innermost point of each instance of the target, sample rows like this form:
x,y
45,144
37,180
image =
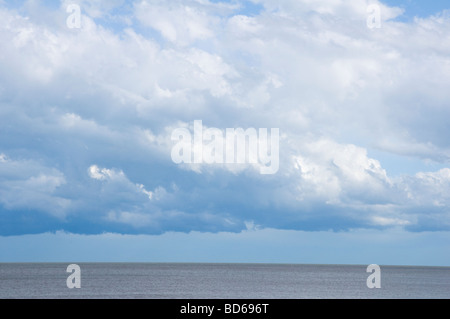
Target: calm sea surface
x,y
221,281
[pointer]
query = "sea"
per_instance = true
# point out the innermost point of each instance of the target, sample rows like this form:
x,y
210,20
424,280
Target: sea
x,y
220,281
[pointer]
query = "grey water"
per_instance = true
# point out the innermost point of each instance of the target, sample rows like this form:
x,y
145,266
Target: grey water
x,y
221,281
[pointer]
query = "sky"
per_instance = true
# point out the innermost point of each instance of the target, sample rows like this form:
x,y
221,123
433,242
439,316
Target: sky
x,y
87,112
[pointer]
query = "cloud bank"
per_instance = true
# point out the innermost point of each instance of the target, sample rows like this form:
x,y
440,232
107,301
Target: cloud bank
x,y
86,116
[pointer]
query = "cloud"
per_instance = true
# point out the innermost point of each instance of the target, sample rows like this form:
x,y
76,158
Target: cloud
x,y
353,10
96,8
332,171
178,22
134,219
28,185
86,116
117,179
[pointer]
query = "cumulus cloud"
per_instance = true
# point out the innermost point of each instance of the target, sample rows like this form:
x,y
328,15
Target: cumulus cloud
x,y
178,21
338,172
86,115
119,178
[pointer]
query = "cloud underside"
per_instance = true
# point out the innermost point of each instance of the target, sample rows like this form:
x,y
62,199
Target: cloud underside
x,y
86,116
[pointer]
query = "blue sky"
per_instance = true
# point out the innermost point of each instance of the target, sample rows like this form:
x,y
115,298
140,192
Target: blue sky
x,y
419,8
86,116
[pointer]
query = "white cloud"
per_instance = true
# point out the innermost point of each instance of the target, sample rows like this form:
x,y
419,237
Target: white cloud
x,y
385,221
95,8
27,184
179,22
337,172
355,10
117,181
430,188
104,174
243,26
311,68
